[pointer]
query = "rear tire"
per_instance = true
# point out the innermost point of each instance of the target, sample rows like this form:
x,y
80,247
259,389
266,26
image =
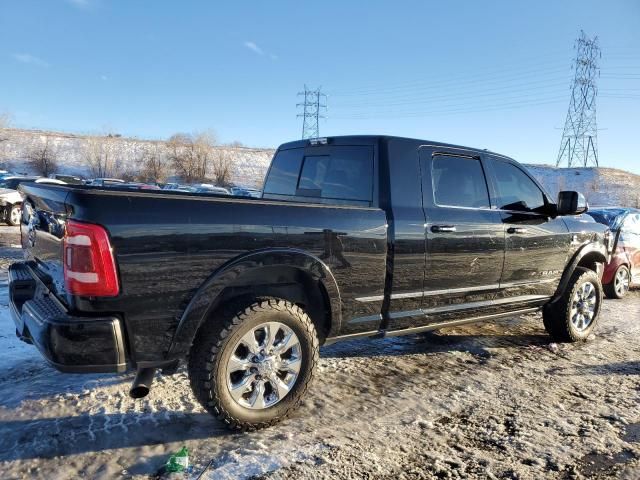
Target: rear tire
x,y
251,365
573,317
619,286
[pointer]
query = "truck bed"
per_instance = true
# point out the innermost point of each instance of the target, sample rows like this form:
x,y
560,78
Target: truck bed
x,y
167,244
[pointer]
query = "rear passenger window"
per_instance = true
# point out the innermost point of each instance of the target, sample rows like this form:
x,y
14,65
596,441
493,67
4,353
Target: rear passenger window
x,y
459,182
283,174
346,174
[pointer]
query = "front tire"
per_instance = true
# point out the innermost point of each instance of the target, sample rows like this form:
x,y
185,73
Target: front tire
x,y
573,317
252,364
619,286
14,216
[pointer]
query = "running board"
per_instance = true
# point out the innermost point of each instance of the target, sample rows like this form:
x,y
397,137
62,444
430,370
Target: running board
x,y
374,334
462,321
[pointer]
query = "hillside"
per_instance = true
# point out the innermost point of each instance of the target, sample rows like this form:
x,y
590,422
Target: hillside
x,y
601,186
248,164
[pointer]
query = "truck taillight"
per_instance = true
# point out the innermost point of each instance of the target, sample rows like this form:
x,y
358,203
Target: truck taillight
x,y
89,265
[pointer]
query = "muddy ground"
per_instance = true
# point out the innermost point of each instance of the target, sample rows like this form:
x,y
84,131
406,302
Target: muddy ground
x,y
479,401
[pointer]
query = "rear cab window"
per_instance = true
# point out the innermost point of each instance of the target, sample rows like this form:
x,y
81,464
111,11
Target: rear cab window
x,y
329,174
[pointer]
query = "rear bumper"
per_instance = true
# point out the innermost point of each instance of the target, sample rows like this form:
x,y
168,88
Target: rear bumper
x,y
70,343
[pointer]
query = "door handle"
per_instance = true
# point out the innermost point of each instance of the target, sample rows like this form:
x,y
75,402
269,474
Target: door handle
x,y
517,230
443,228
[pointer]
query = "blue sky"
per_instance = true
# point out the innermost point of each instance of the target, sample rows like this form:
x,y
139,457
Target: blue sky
x,y
486,74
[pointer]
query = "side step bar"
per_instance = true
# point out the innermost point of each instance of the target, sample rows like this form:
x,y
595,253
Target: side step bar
x,y
431,326
462,321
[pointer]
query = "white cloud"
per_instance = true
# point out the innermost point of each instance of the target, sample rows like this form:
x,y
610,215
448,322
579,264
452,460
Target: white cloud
x,y
104,78
253,47
79,3
30,59
259,51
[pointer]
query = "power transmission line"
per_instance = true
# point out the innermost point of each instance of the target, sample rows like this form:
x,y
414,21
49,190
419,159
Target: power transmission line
x,y
311,108
469,96
579,145
450,111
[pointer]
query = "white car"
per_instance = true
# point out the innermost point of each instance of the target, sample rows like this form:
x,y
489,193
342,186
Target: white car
x,y
11,199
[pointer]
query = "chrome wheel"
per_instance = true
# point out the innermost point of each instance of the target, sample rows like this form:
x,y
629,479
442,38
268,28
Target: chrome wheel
x,y
15,215
583,306
264,365
621,282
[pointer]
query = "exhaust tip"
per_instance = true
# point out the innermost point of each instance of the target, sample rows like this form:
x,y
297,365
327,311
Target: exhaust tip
x,y
139,391
142,383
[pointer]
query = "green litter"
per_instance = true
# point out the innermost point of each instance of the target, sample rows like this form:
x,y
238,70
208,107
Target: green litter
x,y
178,462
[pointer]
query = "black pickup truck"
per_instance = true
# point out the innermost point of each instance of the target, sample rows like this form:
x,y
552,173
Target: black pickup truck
x,y
358,236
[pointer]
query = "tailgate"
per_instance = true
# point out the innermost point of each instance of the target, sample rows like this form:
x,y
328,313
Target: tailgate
x,y
42,229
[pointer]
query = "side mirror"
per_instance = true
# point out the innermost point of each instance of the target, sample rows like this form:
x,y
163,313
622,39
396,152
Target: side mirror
x,y
571,203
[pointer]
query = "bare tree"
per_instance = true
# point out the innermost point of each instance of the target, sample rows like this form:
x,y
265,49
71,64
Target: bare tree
x,y
43,159
222,167
203,143
180,154
5,123
191,155
154,165
100,156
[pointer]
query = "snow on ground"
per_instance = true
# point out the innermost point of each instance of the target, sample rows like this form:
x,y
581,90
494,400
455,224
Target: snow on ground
x,y
478,401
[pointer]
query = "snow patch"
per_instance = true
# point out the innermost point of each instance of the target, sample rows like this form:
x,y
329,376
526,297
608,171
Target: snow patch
x,y
244,463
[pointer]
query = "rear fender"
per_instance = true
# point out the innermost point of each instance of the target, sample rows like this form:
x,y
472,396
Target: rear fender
x,y
205,298
589,254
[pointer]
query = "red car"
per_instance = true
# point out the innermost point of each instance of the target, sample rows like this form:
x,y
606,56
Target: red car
x,y
624,268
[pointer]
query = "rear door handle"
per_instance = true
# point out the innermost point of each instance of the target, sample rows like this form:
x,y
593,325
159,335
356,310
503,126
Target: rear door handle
x,y
517,230
443,228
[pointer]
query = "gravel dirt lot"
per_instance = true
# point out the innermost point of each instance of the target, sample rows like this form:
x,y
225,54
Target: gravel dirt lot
x,y
479,401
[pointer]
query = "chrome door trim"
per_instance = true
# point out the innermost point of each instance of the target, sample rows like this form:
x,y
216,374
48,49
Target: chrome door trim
x,y
428,293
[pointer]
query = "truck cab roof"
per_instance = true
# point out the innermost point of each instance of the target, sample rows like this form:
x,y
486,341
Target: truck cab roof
x,y
376,139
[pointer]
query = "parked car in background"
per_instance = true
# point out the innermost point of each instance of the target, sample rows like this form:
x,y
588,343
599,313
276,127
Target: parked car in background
x,y
148,186
10,198
51,181
623,270
245,192
105,182
211,189
197,188
70,179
